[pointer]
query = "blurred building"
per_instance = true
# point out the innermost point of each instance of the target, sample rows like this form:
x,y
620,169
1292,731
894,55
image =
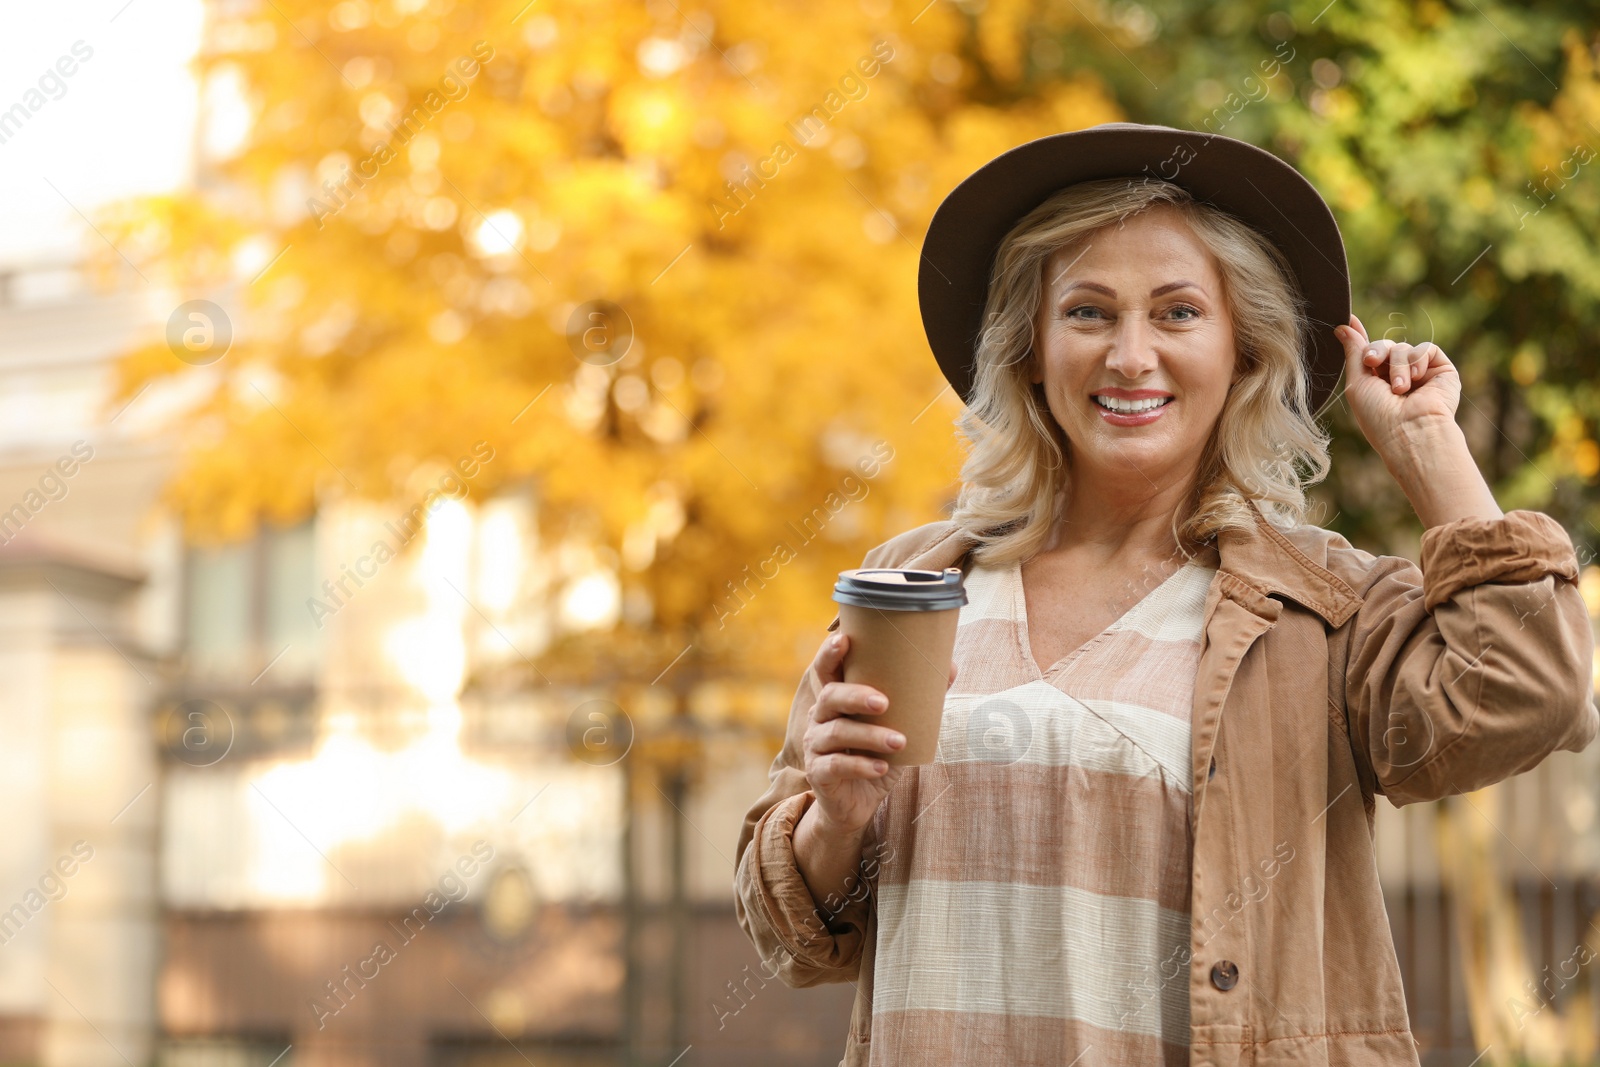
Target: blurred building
x,y
82,628
271,803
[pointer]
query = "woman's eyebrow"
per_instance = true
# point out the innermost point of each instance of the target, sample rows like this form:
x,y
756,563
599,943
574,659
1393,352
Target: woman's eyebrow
x,y
1157,291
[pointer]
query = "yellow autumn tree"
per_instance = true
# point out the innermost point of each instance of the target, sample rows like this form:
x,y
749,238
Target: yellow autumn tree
x,y
662,259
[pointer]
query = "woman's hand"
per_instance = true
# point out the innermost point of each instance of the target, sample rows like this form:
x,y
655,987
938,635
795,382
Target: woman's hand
x,y
1404,399
1398,392
848,779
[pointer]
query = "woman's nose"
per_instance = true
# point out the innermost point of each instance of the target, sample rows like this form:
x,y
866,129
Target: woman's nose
x,y
1131,353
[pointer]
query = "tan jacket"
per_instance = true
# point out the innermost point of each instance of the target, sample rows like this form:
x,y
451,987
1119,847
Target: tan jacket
x,y
1328,675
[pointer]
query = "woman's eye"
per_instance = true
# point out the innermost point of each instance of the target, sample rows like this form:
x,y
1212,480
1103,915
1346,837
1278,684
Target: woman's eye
x,y
1193,312
1082,307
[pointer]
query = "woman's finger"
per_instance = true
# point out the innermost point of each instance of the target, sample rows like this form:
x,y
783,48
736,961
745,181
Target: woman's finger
x,y
1400,367
848,698
843,767
841,734
1355,357
829,660
1374,355
1426,361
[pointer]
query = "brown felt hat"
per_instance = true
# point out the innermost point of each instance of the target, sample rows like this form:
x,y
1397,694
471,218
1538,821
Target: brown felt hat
x,y
1249,183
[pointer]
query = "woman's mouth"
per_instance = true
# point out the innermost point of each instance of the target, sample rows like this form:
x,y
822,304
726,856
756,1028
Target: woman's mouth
x,y
1131,412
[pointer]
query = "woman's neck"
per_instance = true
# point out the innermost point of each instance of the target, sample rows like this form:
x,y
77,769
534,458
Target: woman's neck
x,y
1106,526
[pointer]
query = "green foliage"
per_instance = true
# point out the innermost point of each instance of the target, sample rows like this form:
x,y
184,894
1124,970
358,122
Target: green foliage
x,y
1451,141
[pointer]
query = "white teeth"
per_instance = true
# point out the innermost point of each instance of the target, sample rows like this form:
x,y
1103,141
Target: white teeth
x,y
1130,407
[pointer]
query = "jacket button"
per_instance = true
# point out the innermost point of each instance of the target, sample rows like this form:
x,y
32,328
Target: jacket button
x,y
1212,773
1224,974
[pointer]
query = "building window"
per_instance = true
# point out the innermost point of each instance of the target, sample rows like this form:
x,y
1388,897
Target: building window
x,y
245,607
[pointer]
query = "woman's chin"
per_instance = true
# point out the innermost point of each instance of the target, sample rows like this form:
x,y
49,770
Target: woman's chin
x,y
1126,456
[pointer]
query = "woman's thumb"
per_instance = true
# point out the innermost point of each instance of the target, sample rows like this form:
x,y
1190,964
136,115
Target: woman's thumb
x,y
1354,344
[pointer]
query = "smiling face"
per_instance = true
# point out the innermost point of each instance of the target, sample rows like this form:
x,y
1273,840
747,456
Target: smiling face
x,y
1136,320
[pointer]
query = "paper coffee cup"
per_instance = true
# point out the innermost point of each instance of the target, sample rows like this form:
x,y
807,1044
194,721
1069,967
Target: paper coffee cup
x,y
902,629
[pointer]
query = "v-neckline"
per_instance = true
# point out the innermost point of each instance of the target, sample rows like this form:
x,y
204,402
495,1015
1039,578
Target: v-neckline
x,y
1019,611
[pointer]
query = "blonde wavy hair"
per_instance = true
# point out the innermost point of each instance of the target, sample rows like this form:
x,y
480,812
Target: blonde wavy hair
x,y
1013,480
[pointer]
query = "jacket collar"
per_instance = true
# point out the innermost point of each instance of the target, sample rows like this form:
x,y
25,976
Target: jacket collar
x,y
1261,562
1268,561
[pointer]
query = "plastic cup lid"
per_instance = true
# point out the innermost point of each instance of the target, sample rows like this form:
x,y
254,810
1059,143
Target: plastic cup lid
x,y
901,589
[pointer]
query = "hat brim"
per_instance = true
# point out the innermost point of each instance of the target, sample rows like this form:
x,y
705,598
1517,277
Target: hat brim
x,y
1249,183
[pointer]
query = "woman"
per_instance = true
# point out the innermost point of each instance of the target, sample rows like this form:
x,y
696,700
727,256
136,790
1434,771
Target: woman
x,y
1147,836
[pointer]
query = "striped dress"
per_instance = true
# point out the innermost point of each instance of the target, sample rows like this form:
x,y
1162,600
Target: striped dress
x,y
1033,903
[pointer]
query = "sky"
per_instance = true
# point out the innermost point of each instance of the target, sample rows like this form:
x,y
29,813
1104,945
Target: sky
x,y
120,124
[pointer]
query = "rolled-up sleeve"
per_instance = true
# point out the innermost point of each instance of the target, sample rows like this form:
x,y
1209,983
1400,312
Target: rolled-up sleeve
x,y
804,942
1475,667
